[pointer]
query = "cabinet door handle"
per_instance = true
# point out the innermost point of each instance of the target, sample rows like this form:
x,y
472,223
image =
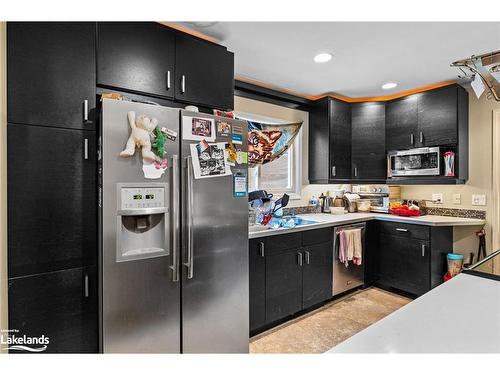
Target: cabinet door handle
x,y
334,171
402,230
423,250
355,171
85,110
168,80
299,258
412,139
86,286
262,249
421,137
308,255
183,84
86,149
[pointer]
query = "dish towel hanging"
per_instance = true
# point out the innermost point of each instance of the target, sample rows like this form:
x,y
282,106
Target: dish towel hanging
x,y
350,248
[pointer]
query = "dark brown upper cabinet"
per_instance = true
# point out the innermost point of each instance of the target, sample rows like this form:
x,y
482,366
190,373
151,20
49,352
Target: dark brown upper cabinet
x,y
368,141
204,73
438,116
348,142
401,123
51,74
136,56
151,59
329,141
427,119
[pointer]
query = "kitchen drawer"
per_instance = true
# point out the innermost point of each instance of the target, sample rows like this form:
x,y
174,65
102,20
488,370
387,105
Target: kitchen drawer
x,y
421,232
317,236
283,242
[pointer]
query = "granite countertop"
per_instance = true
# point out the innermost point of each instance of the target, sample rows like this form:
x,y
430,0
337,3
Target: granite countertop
x,y
328,220
459,316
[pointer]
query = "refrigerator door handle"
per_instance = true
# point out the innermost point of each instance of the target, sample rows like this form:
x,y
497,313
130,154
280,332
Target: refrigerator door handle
x,y
189,214
175,219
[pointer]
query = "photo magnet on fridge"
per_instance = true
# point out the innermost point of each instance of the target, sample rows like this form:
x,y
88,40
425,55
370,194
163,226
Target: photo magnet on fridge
x,y
231,154
223,129
239,183
209,161
237,134
197,128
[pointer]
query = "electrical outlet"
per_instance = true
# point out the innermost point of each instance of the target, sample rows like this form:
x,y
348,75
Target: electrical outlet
x,y
457,198
437,197
478,199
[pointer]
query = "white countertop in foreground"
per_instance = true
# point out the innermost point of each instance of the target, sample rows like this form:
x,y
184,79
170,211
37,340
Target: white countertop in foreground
x,y
328,220
459,316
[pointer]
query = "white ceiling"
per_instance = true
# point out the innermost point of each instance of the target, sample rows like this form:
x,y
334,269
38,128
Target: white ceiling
x,y
366,54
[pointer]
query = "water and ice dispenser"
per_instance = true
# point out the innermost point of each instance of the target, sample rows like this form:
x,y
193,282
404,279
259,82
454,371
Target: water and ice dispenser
x,y
142,221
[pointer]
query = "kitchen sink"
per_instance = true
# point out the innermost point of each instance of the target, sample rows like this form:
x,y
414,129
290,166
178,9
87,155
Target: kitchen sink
x,y
299,221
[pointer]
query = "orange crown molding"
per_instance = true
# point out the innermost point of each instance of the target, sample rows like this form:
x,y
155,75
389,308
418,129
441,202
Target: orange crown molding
x,y
346,98
385,97
189,31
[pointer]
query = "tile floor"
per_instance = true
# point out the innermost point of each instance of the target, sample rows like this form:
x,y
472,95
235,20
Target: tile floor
x,y
322,329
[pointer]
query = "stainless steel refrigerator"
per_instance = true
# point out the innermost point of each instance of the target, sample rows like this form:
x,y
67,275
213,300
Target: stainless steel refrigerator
x,y
174,250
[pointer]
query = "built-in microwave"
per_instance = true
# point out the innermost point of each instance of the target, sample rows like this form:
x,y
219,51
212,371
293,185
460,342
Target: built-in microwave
x,y
424,161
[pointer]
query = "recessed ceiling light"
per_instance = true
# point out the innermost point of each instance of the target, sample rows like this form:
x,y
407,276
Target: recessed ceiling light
x,y
389,85
322,57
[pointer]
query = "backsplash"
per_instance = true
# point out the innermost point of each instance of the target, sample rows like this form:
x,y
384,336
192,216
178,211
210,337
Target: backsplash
x,y
456,212
443,211
301,210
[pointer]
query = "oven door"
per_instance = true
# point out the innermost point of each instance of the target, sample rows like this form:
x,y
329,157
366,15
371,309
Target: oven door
x,y
416,162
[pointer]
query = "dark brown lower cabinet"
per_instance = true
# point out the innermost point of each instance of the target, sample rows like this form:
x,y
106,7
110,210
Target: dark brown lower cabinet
x,y
317,274
61,305
404,264
283,285
289,273
411,258
257,283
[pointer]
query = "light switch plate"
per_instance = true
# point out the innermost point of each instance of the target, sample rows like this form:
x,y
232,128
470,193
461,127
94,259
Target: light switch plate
x,y
478,199
437,197
457,198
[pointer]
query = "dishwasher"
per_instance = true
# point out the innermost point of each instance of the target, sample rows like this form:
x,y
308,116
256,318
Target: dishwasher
x,y
352,276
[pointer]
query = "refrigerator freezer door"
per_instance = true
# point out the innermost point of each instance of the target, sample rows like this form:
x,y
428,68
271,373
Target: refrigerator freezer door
x,y
215,309
140,301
